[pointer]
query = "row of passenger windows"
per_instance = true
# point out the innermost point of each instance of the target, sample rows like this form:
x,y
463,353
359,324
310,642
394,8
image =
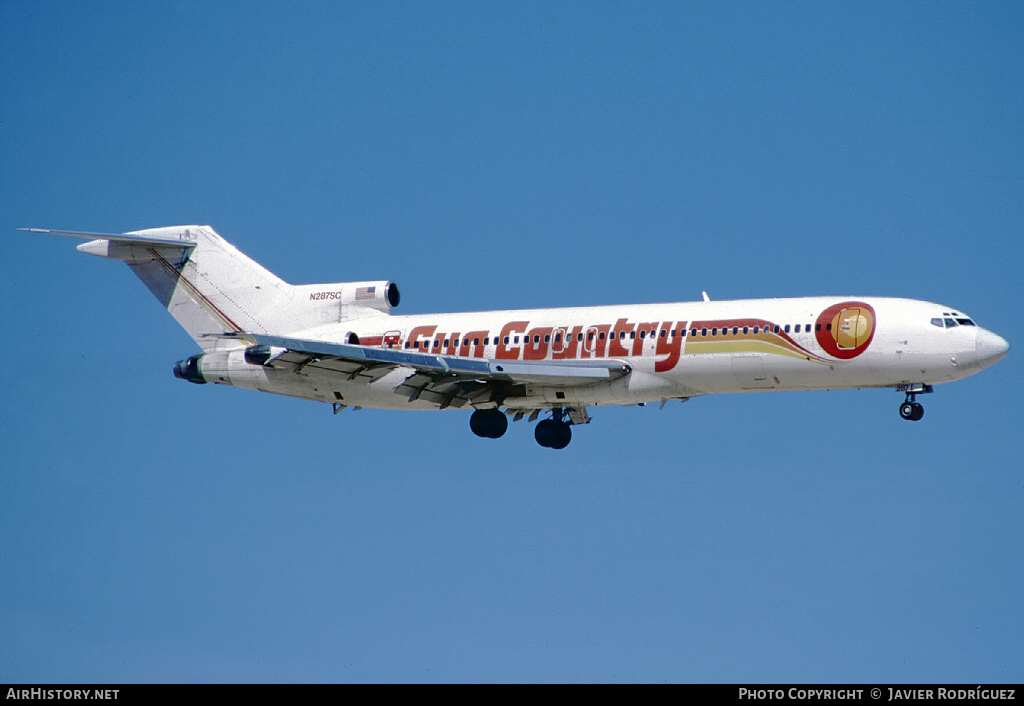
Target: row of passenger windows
x,y
694,332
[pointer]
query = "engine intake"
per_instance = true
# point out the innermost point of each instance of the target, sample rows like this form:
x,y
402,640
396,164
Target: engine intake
x,y
189,369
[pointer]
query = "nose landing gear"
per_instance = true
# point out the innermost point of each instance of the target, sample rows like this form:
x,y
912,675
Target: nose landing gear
x,y
912,410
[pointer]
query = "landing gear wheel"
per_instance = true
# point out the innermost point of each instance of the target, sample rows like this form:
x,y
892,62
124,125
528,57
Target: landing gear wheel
x,y
488,423
552,434
544,432
912,411
563,435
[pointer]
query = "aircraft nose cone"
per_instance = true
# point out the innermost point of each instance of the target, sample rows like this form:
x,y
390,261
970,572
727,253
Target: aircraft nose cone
x,y
990,348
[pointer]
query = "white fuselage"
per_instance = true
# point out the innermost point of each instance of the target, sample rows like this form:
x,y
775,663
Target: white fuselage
x,y
338,342
675,350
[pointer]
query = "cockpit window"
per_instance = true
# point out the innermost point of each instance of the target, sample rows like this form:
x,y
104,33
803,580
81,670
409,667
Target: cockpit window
x,y
952,321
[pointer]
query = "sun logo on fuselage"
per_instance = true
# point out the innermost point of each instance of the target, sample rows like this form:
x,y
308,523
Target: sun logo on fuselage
x,y
845,330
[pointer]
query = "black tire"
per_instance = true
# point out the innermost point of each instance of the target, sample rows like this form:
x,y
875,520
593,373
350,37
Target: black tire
x,y
544,432
907,410
497,424
918,412
478,423
488,423
562,435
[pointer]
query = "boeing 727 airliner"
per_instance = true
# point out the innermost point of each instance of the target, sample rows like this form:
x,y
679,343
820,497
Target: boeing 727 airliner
x,y
338,343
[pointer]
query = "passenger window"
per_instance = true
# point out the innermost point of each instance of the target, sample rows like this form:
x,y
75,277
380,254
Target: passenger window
x,y
787,328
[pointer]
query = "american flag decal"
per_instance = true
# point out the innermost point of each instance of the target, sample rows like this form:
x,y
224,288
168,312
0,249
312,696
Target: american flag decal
x,y
365,293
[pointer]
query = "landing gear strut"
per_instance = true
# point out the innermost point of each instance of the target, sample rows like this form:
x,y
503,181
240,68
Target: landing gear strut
x,y
911,409
488,423
553,433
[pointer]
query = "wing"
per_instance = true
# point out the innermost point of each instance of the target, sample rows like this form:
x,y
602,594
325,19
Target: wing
x,y
445,380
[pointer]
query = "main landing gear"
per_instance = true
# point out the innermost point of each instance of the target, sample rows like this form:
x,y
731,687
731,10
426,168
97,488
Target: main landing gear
x,y
911,409
488,423
551,433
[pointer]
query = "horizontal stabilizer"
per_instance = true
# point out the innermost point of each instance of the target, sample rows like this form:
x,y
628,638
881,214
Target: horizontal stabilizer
x,y
127,238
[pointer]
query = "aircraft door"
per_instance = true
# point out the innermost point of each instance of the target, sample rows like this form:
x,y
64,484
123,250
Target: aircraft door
x,y
590,341
750,373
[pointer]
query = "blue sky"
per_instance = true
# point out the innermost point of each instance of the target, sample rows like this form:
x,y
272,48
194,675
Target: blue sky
x,y
486,156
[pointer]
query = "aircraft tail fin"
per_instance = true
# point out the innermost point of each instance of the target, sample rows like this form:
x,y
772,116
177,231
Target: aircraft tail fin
x,y
208,285
211,288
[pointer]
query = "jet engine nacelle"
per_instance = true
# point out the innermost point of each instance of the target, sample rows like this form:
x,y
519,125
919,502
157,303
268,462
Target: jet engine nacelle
x,y
227,367
381,295
189,369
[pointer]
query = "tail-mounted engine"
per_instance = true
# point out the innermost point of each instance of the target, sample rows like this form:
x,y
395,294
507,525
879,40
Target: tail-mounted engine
x,y
380,295
189,369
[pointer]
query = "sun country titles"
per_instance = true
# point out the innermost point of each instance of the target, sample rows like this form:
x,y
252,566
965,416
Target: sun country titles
x,y
843,331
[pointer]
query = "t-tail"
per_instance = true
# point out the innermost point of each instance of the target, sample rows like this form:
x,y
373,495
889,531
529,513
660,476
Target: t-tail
x,y
211,288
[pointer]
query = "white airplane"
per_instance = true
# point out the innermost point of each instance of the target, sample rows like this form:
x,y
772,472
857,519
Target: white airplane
x,y
338,343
